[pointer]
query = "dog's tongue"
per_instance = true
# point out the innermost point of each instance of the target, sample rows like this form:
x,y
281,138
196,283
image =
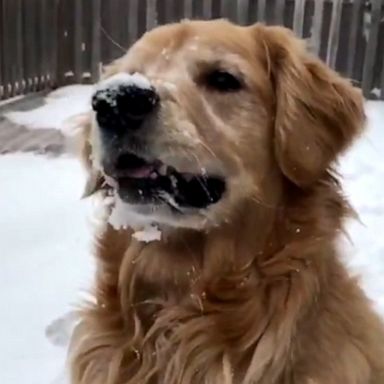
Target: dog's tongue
x,y
142,172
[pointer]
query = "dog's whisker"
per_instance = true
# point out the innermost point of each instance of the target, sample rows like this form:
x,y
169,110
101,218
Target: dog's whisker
x,y
112,40
202,168
209,149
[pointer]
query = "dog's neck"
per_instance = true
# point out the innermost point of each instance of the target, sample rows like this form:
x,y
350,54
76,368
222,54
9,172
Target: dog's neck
x,y
218,288
189,263
183,255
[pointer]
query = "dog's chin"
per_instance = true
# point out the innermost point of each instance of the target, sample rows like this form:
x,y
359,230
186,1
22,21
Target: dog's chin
x,y
170,201
160,193
162,215
180,193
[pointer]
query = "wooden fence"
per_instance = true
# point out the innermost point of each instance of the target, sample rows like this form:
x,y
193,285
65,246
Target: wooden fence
x,y
49,43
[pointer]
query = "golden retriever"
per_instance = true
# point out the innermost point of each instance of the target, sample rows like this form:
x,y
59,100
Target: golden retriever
x,y
225,138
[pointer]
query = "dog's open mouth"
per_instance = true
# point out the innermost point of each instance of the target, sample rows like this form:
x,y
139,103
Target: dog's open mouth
x,y
139,181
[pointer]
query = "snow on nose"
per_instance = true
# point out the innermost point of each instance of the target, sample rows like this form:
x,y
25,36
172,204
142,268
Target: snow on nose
x,y
124,80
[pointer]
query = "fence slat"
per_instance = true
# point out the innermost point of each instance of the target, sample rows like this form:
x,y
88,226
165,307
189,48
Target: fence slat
x,y
298,17
160,10
107,23
353,36
207,9
382,81
53,36
242,11
151,21
141,18
252,12
2,95
7,49
370,53
188,8
86,42
95,40
133,28
231,11
14,49
309,11
226,9
179,11
261,10
3,81
38,47
168,11
47,30
42,38
62,42
279,12
216,9
334,33
28,54
19,46
197,9
317,26
78,40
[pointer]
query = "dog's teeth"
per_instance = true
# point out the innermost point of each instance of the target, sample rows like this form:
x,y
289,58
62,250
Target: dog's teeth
x,y
163,170
173,181
188,177
170,170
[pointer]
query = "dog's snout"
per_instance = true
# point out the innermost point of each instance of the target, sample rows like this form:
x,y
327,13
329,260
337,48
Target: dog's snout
x,y
124,106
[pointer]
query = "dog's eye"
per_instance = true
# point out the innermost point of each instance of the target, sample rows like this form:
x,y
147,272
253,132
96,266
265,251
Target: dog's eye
x,y
223,81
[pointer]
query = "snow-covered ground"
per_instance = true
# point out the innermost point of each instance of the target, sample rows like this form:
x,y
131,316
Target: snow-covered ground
x,y
45,262
60,105
363,171
45,239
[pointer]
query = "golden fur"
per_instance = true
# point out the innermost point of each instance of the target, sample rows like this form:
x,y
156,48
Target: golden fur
x,y
253,291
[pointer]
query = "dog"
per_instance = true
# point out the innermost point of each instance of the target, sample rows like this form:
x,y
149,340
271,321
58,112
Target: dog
x,y
223,140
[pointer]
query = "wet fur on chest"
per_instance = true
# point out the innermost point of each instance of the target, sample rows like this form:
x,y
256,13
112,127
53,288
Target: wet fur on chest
x,y
232,306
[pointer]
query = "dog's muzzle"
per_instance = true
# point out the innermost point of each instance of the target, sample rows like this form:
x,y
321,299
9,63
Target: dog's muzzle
x,y
125,108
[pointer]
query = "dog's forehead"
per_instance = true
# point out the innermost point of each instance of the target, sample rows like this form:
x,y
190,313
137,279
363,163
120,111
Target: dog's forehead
x,y
189,39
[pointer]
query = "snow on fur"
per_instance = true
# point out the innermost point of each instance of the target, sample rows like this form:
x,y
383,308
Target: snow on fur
x,y
122,217
124,79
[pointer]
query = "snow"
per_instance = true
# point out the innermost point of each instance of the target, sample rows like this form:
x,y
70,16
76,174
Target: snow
x,y
3,103
123,216
59,106
125,79
107,89
363,171
45,262
148,234
45,237
68,102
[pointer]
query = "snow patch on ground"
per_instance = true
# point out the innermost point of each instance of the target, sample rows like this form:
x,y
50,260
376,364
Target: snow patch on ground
x,y
46,263
60,330
363,171
59,106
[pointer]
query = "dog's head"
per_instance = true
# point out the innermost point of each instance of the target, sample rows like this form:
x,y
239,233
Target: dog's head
x,y
200,116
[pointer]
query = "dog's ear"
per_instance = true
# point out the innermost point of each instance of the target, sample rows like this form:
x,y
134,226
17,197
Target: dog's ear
x,y
318,113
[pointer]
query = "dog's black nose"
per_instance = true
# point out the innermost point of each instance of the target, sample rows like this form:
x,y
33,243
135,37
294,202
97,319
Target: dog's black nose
x,y
124,106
